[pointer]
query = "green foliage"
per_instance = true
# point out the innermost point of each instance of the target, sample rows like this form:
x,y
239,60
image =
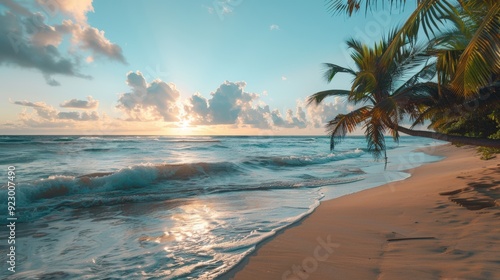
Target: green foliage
x,y
467,53
484,125
381,86
457,84
489,153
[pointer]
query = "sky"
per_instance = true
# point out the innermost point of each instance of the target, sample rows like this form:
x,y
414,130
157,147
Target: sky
x,y
174,67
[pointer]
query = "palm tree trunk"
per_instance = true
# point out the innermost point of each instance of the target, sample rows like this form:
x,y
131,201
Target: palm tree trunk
x,y
492,143
385,155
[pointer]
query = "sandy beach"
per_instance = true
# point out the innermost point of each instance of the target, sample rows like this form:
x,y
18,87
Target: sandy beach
x,y
441,223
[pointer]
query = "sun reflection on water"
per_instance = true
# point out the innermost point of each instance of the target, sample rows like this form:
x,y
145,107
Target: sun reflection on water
x,y
194,223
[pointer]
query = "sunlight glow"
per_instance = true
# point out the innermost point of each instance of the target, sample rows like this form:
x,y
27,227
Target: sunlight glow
x,y
184,124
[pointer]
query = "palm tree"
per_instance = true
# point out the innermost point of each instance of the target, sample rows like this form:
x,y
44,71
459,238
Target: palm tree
x,y
467,61
478,20
468,53
384,95
374,82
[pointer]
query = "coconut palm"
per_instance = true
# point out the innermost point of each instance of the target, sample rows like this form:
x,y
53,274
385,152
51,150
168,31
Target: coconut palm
x,y
479,20
373,90
384,96
468,53
467,60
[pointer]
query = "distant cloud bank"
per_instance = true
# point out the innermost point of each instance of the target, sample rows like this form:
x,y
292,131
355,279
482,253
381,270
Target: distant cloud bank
x,y
157,102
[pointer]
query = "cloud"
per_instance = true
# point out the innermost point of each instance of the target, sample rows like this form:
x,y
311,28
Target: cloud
x,y
16,49
90,103
197,109
30,104
40,33
149,101
283,78
222,7
92,39
75,9
15,7
43,110
45,114
229,104
159,104
77,116
274,27
326,111
210,10
290,121
27,41
256,117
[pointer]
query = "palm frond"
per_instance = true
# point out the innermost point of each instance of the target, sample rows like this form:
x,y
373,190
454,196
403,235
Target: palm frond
x,y
356,45
426,114
318,97
345,123
427,73
446,64
437,10
407,58
350,7
333,69
481,58
374,133
386,112
363,84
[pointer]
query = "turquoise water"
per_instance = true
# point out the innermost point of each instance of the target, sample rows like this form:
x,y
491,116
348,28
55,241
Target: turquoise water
x,y
154,207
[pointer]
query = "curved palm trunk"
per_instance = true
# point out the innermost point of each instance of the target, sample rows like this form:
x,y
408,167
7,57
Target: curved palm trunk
x,y
492,143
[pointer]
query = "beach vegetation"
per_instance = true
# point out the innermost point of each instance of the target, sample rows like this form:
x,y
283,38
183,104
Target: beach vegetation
x,y
455,90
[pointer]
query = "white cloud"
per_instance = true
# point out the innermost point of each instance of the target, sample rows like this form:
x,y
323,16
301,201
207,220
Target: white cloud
x,y
77,116
274,27
27,41
197,109
228,101
297,120
159,103
19,47
43,110
90,103
149,101
46,115
92,39
223,7
75,9
326,111
283,78
257,117
30,104
229,104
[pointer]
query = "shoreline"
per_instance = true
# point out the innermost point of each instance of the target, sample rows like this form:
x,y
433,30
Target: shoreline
x,y
230,273
400,230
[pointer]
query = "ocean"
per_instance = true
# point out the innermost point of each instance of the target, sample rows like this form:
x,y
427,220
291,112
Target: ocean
x,y
160,207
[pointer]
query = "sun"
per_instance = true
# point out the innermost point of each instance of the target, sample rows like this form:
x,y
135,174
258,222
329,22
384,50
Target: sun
x,y
184,124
